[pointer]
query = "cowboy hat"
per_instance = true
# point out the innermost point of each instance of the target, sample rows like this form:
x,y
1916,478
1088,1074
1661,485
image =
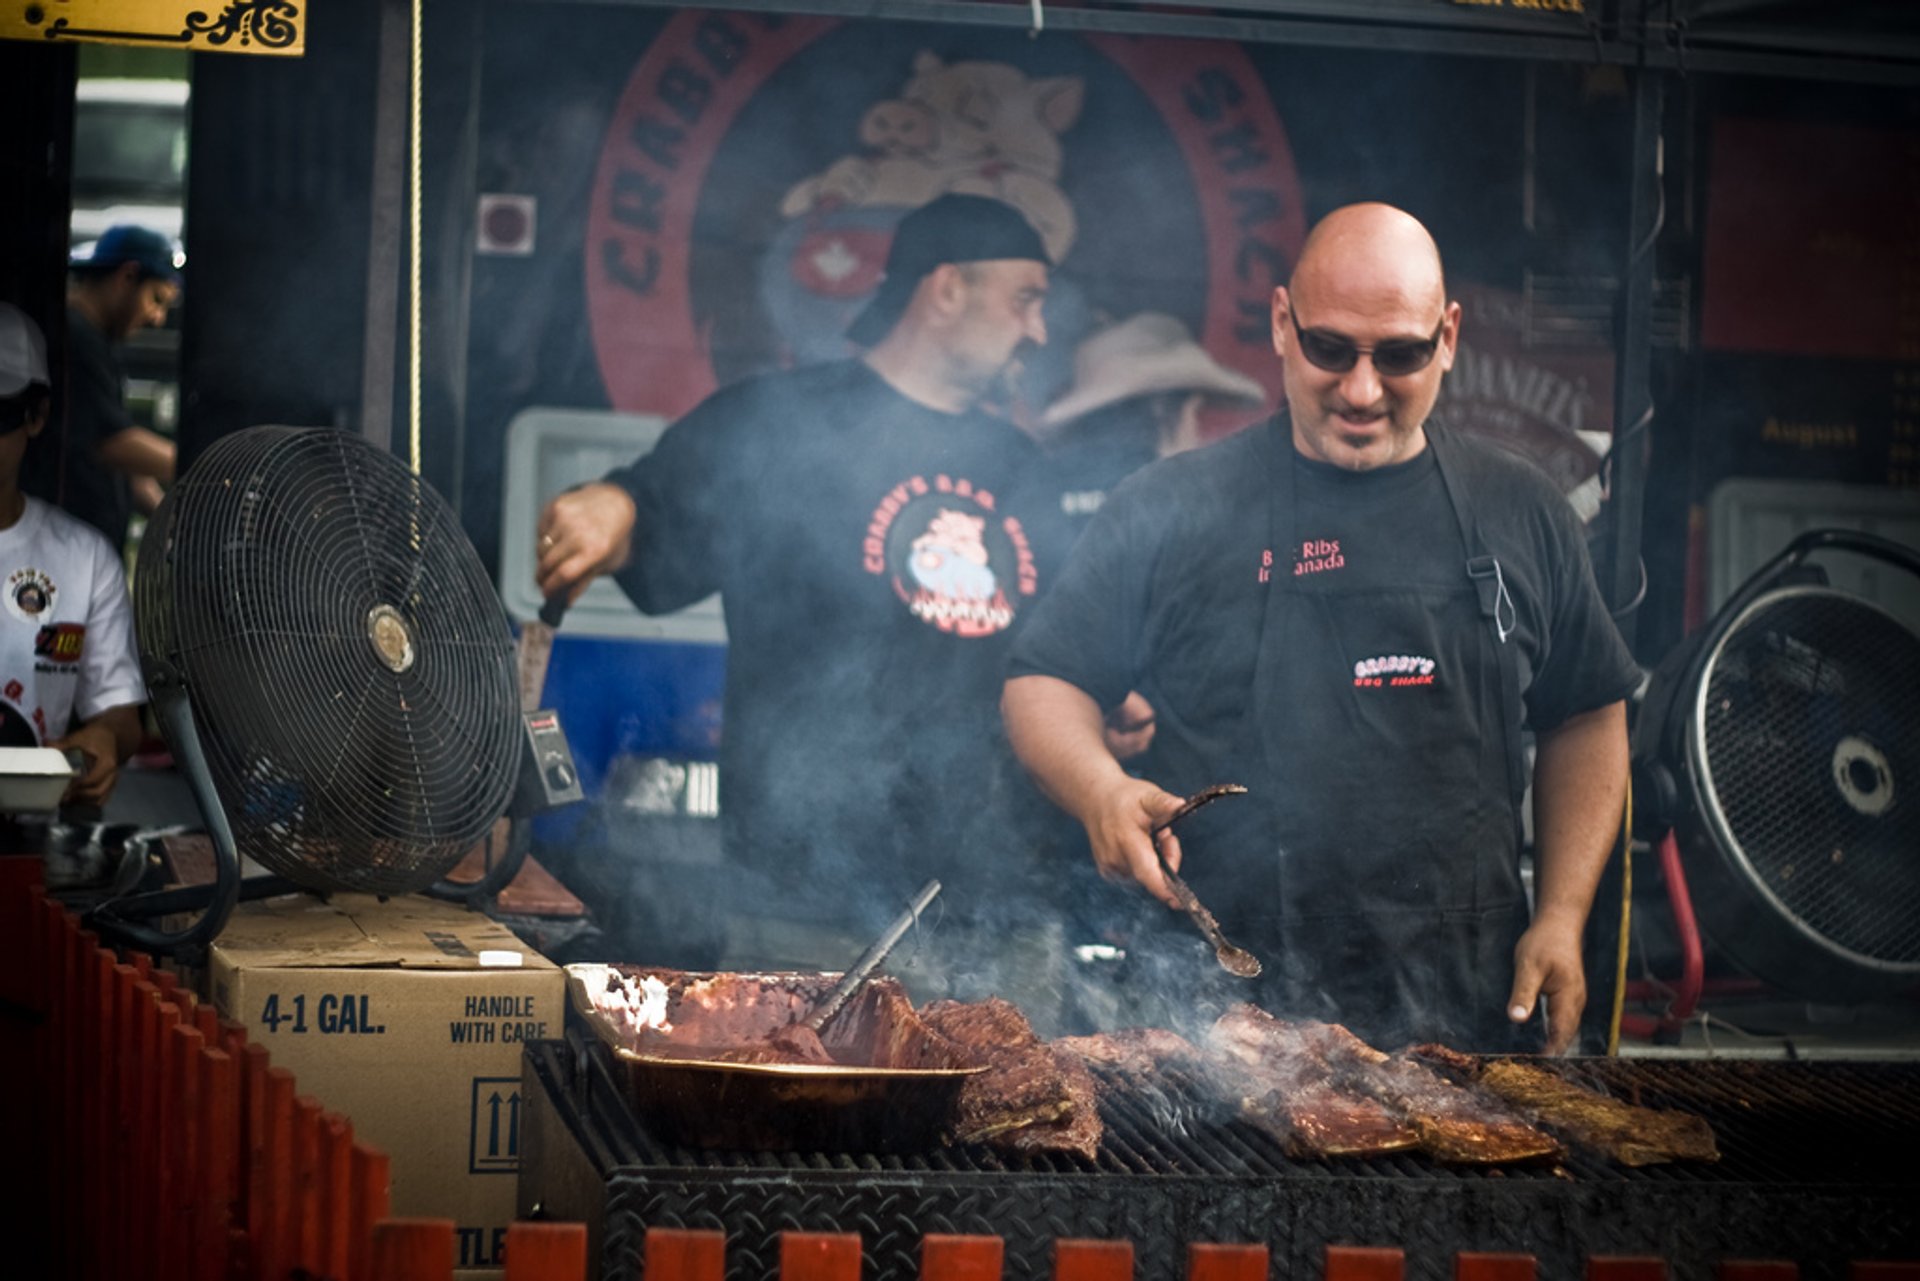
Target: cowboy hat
x,y
1146,353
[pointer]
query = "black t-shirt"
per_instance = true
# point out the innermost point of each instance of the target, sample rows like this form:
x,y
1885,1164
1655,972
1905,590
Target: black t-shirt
x,y
872,562
89,409
1073,480
1165,593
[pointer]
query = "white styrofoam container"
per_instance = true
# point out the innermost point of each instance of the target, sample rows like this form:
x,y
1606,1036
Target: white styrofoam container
x,y
32,779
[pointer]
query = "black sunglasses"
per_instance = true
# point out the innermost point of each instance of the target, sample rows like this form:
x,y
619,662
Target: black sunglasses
x,y
1394,358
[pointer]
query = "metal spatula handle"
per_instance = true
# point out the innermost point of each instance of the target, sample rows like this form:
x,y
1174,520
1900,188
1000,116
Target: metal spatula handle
x,y
870,959
1235,960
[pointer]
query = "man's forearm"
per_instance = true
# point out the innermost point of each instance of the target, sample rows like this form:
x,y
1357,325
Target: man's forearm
x,y
1058,732
139,452
1579,792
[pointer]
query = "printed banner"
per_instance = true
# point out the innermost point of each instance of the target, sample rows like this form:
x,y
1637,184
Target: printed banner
x,y
244,26
755,167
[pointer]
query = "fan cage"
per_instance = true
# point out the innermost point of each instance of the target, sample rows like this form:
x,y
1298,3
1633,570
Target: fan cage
x,y
346,659
1805,748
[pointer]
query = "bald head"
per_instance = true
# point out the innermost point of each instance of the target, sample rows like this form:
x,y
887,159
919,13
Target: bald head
x,y
1370,255
1366,334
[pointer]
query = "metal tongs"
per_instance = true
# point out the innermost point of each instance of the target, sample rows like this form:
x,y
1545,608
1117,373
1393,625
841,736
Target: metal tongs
x,y
856,976
1234,960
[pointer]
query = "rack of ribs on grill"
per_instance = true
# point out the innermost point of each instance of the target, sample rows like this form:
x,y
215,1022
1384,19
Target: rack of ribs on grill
x,y
1627,1133
1285,1086
1032,1098
1161,1074
1343,1073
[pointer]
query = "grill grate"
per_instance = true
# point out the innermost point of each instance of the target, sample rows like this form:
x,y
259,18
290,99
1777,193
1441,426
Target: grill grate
x,y
1817,1167
1827,1122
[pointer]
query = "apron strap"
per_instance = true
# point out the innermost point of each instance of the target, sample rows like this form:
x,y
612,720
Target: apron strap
x,y
1497,608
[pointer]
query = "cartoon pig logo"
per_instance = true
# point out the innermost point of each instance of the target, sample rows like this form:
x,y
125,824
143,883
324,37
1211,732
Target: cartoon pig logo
x,y
979,128
957,589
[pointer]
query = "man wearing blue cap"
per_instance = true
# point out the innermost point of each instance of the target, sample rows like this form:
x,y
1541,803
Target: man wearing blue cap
x,y
69,676
858,520
100,465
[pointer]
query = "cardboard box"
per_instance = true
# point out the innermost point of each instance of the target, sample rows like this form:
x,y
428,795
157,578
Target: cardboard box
x,y
407,1017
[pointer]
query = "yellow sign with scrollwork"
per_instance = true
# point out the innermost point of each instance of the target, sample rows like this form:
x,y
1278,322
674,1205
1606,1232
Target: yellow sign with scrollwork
x,y
237,26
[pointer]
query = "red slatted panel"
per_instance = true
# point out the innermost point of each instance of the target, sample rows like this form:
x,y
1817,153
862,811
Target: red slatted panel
x,y
677,1254
819,1256
97,1120
122,1098
143,1089
1757,1270
1210,1261
412,1250
186,1153
372,1202
43,973
546,1252
1625,1267
69,1020
273,1214
961,1258
233,1037
1494,1267
220,1165
62,1150
334,1166
93,1120
162,1139
21,893
1365,1263
304,1235
1080,1260
1884,1270
253,1063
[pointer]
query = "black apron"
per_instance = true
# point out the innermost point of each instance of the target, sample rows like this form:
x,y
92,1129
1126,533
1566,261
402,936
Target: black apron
x,y
1395,807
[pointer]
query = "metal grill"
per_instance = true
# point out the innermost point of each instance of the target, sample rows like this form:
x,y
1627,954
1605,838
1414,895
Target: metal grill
x,y
1809,748
1817,1167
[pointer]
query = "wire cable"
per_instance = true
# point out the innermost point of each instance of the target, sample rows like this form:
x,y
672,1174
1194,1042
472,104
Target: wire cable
x,y
1626,926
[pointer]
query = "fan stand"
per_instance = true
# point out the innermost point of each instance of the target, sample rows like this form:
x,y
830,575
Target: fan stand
x,y
125,921
1683,995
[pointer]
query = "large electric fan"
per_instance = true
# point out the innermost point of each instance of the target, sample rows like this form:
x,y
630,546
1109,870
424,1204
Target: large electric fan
x,y
1783,746
331,666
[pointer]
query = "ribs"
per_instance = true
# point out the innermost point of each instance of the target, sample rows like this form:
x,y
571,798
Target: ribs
x,y
1283,1085
1031,1098
1163,1074
1330,1065
1628,1134
1458,1126
1137,1055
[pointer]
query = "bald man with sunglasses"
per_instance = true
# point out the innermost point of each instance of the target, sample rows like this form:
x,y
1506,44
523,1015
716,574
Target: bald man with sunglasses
x,y
1358,614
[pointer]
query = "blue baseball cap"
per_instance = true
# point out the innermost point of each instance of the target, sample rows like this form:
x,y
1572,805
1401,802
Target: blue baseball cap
x,y
127,243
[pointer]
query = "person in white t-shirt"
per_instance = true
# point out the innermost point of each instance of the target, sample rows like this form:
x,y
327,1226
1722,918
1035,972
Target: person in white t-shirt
x,y
69,674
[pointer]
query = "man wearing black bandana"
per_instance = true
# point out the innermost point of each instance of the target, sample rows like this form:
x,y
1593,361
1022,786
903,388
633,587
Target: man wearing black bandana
x,y
1356,613
859,520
